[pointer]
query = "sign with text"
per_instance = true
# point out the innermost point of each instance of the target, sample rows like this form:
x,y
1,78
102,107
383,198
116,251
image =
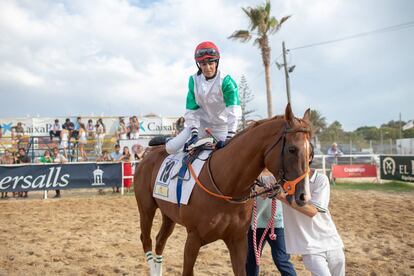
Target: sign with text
x,y
395,167
357,170
148,126
59,176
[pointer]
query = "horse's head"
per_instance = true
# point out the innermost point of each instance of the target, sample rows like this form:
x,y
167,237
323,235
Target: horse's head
x,y
287,157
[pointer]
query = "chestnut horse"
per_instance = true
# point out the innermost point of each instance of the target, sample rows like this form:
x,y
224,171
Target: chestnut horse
x,y
280,144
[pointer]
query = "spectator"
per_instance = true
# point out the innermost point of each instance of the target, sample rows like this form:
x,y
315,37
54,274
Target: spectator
x,y
126,159
69,126
46,158
121,131
311,232
105,157
22,158
334,152
15,157
56,129
90,128
17,133
129,127
100,136
179,125
64,139
7,158
82,141
116,156
61,159
133,128
19,130
1,132
75,133
278,249
138,151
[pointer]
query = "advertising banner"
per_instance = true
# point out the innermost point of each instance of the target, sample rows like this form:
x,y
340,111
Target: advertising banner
x,y
149,126
395,167
357,170
16,178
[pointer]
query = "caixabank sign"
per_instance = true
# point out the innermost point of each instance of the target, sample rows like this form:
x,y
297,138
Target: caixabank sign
x,y
16,178
397,167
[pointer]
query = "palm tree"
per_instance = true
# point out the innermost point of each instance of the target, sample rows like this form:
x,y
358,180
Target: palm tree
x,y
318,121
262,24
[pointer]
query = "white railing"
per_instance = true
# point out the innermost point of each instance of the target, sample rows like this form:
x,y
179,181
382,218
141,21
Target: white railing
x,y
324,162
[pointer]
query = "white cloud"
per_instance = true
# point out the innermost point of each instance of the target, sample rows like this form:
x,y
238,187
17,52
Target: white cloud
x,y
136,57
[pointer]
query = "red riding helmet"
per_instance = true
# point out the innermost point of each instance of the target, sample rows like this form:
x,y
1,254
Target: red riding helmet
x,y
206,50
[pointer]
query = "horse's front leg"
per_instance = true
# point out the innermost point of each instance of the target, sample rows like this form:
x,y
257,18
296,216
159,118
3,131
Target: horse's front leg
x,y
192,247
238,253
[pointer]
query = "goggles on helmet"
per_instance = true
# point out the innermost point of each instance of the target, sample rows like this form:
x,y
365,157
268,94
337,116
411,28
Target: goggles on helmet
x,y
207,53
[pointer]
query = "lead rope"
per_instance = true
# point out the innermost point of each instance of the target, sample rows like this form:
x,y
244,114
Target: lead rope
x,y
270,225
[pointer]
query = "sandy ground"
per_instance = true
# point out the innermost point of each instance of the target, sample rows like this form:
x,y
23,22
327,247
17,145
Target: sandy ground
x,y
83,233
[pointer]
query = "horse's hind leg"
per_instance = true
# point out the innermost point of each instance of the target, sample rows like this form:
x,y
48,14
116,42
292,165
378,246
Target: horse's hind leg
x,y
166,229
147,208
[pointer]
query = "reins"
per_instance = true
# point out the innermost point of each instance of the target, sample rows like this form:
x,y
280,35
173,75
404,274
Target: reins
x,y
288,185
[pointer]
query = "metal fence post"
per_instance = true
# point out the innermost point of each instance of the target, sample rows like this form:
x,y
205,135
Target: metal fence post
x,y
122,184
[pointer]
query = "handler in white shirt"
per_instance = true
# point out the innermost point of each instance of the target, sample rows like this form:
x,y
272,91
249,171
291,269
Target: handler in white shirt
x,y
313,234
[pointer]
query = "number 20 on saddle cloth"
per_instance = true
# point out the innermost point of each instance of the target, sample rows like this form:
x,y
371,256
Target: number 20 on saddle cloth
x,y
174,182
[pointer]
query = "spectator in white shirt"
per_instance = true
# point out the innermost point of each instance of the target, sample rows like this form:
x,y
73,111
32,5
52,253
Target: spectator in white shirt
x,y
56,128
311,232
121,131
58,158
100,136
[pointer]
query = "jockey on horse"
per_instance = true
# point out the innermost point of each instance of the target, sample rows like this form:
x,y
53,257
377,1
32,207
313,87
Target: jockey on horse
x,y
212,101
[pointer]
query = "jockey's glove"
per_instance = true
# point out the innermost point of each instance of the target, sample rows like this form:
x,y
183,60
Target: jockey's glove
x,y
193,140
220,144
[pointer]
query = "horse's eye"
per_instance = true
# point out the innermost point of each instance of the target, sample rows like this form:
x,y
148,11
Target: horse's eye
x,y
292,150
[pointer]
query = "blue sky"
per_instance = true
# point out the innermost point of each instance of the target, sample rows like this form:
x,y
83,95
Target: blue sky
x,y
64,58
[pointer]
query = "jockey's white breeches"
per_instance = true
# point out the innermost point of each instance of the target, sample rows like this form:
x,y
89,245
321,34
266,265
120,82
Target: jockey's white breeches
x,y
177,143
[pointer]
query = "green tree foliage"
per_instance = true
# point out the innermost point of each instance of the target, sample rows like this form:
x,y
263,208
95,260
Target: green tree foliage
x,y
318,121
262,24
246,96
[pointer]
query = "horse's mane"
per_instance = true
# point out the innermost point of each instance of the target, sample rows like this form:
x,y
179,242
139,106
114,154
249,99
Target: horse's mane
x,y
274,118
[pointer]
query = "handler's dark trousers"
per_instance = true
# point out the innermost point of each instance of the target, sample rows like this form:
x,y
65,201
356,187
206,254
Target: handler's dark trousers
x,y
279,255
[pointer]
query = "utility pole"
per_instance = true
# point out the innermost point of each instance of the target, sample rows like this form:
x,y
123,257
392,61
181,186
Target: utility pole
x,y
285,65
400,127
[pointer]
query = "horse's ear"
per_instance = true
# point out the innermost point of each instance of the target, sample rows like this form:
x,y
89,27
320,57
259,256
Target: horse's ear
x,y
306,115
289,114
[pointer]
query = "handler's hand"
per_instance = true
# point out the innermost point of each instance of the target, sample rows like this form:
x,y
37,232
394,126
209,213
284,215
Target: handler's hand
x,y
260,190
281,195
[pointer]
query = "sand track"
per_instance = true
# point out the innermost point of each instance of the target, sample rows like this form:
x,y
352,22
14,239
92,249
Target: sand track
x,y
99,235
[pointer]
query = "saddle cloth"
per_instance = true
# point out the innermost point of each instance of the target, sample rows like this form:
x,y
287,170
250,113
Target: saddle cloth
x,y
165,187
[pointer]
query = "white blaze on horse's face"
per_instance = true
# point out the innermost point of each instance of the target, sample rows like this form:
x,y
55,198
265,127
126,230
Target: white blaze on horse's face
x,y
307,152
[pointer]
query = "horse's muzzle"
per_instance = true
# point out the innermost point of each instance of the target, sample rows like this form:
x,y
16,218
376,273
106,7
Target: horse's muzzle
x,y
301,195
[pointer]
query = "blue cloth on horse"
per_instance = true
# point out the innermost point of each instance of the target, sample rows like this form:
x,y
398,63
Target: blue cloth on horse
x,y
181,175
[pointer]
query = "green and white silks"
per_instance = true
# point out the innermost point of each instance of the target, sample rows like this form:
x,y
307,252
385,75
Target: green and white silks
x,y
212,103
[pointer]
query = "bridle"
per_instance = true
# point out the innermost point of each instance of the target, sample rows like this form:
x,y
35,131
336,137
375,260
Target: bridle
x,y
289,186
